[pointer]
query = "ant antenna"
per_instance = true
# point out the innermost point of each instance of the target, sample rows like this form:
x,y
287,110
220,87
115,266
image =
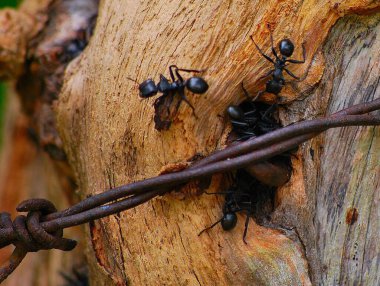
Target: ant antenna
x,y
211,226
135,81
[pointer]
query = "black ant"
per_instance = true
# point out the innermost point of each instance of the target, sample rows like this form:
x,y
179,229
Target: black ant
x,y
246,195
195,84
148,88
251,123
252,118
235,201
286,48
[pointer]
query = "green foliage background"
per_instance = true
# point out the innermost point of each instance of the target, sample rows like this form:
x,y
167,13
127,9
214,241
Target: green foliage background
x,y
9,3
3,90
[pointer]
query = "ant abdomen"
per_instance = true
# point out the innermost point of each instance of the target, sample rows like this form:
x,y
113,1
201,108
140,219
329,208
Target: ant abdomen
x,y
274,86
229,221
197,85
235,112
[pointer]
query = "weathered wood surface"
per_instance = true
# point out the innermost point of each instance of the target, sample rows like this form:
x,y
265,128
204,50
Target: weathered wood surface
x,y
348,179
340,169
110,140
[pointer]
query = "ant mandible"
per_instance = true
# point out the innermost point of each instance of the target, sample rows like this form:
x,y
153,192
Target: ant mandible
x,y
195,84
286,48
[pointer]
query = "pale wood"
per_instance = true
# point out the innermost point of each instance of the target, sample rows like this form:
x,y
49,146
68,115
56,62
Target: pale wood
x,y
110,138
349,175
343,172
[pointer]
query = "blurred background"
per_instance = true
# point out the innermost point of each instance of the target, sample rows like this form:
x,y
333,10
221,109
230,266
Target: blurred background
x,y
27,171
4,3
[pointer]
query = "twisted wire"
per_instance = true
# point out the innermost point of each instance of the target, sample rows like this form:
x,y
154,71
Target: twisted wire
x,y
42,227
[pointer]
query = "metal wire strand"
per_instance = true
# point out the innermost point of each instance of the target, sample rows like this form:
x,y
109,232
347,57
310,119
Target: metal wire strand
x,y
43,225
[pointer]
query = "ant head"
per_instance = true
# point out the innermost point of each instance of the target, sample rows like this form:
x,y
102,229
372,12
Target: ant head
x,y
197,85
286,47
229,221
148,88
235,112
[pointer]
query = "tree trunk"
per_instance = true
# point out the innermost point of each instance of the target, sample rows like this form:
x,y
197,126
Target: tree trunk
x,y
326,218
110,139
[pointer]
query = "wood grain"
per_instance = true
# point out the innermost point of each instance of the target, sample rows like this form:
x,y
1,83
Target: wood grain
x,y
110,139
349,175
340,169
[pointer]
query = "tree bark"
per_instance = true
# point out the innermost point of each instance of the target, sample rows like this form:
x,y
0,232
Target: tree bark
x,y
325,223
338,218
110,139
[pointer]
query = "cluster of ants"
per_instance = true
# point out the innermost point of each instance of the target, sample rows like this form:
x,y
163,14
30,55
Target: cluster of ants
x,y
249,119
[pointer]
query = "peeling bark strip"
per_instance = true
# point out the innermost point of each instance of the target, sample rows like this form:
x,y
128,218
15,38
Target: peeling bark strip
x,y
107,129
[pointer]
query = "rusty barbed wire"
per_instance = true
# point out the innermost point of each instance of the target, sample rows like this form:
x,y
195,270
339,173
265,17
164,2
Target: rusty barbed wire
x,y
42,227
285,132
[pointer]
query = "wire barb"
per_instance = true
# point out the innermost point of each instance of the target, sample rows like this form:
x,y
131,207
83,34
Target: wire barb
x,y
28,235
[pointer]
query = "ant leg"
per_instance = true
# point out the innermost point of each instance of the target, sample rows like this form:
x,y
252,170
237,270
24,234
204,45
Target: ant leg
x,y
211,226
68,279
246,227
239,123
171,71
131,79
249,113
245,137
177,74
258,95
248,96
177,105
269,110
291,74
247,133
303,56
182,94
217,193
246,93
261,52
177,70
271,41
187,70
